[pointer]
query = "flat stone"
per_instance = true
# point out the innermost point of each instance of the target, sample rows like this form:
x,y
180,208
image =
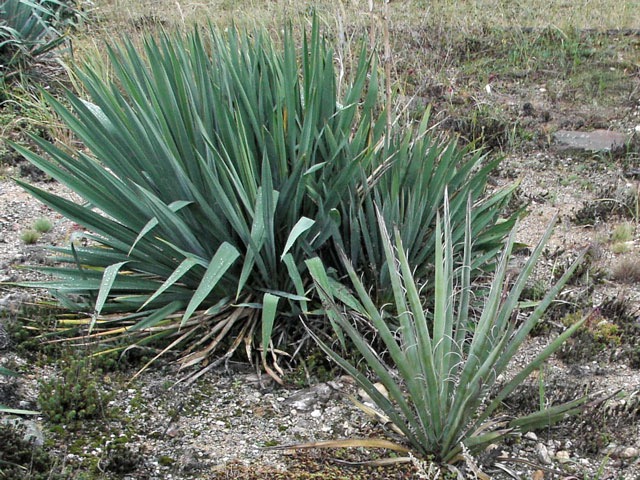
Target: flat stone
x,y
595,141
367,399
306,400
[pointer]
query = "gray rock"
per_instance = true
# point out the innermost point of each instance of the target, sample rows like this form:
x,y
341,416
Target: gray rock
x,y
563,456
543,454
629,453
4,337
307,400
32,432
595,141
621,452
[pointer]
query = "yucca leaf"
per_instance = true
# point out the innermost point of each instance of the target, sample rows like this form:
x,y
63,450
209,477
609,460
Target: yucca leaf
x,y
108,279
7,372
220,263
298,229
151,224
186,265
347,443
17,411
159,315
269,312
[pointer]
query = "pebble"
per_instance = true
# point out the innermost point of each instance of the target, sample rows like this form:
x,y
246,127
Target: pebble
x,y
543,454
563,456
367,399
628,453
531,436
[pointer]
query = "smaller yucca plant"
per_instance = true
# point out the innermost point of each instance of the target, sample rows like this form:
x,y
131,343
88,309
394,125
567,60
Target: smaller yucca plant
x,y
443,366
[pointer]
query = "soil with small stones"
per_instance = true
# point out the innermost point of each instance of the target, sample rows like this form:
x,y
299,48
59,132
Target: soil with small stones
x,y
223,425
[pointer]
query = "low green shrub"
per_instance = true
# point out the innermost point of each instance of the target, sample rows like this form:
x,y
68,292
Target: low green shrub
x,y
42,225
30,236
75,396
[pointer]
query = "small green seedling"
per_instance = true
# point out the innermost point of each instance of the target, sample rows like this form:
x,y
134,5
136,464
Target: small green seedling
x,y
30,236
42,225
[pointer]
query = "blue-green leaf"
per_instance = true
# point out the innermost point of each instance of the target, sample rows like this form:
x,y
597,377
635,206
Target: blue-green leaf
x,y
224,258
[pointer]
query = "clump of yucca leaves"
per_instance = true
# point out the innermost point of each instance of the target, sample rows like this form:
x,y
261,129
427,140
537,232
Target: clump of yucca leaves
x,y
217,163
443,365
32,28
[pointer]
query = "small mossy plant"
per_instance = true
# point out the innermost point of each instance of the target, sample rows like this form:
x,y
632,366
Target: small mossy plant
x,y
622,233
42,225
30,236
74,396
122,458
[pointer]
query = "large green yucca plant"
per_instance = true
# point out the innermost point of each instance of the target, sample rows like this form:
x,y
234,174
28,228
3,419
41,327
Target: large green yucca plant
x,y
216,163
443,366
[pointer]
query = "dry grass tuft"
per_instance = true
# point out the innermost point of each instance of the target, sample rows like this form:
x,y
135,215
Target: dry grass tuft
x,y
627,270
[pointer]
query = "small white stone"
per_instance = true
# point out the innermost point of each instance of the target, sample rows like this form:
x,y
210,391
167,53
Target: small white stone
x,y
628,453
563,456
365,396
543,454
316,414
531,436
637,128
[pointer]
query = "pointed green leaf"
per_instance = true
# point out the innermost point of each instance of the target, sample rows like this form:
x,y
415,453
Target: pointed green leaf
x,y
298,229
269,311
108,278
220,263
177,274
